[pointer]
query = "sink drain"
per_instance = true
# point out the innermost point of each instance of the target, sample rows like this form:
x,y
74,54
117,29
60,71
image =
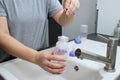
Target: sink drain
x,y
76,68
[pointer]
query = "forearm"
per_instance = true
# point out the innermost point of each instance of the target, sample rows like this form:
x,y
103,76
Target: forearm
x,y
66,20
63,19
17,49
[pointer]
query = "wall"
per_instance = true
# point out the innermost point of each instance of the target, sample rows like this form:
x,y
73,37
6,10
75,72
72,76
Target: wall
x,y
108,16
85,15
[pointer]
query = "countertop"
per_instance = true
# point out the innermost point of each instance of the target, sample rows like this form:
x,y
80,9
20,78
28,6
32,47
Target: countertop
x,y
93,36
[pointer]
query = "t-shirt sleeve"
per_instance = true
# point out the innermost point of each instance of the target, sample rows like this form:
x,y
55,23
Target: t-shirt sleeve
x,y
2,9
54,7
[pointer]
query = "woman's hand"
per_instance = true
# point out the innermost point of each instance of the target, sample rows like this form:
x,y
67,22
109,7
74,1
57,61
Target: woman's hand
x,y
44,59
71,6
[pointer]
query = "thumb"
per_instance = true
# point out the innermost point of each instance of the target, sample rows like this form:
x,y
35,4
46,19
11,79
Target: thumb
x,y
66,4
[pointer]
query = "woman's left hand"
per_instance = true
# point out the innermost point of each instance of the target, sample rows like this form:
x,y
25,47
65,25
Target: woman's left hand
x,y
71,6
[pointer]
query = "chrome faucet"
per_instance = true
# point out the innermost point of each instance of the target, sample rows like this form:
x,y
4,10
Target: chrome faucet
x,y
110,58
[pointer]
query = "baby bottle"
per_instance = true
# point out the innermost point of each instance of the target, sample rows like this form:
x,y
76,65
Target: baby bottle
x,y
62,46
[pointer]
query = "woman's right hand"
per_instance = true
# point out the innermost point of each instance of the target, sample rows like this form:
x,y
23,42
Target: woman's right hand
x,y
44,59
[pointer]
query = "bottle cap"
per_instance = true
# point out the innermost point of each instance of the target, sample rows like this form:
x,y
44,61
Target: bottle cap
x,y
63,38
77,40
72,54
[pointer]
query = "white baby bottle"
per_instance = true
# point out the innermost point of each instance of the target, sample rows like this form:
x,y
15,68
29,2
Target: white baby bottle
x,y
62,46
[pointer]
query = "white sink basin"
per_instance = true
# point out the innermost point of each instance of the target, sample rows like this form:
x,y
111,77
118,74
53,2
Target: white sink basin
x,y
5,74
76,69
24,70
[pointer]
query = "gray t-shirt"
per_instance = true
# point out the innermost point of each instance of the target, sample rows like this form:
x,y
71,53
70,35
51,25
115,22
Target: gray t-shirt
x,y
27,21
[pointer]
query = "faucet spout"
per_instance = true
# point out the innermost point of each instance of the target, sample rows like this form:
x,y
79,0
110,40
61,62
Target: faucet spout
x,y
109,60
91,56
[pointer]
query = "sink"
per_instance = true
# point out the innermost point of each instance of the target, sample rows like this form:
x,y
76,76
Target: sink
x,y
6,75
118,78
76,69
24,70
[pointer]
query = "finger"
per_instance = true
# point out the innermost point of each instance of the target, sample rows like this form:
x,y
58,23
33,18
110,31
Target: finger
x,y
73,10
52,52
47,54
54,71
67,4
55,65
57,58
78,4
73,6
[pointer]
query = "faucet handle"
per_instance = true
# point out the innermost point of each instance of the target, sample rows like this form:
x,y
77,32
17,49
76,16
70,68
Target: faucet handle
x,y
111,40
103,38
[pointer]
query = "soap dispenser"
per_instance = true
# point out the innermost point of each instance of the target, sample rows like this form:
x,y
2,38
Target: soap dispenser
x,y
117,31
